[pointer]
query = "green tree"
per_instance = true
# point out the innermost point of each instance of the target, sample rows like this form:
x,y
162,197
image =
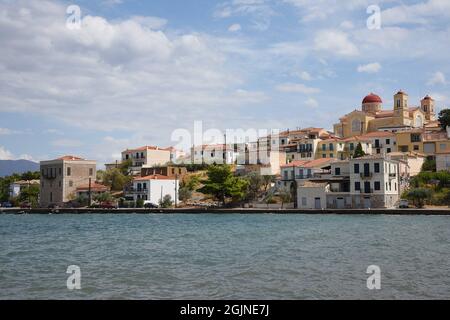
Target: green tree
x,y
255,184
124,167
267,181
429,165
103,197
444,118
30,194
285,195
191,182
184,194
139,203
359,152
115,179
222,184
418,196
166,201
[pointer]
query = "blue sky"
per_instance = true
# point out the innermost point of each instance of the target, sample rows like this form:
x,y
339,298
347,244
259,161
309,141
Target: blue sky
x,y
138,70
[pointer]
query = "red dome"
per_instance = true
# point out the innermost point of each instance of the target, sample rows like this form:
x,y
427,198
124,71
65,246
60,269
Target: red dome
x,y
372,98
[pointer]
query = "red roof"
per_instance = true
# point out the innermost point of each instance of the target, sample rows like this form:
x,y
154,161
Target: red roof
x,y
309,164
378,134
153,177
296,163
372,98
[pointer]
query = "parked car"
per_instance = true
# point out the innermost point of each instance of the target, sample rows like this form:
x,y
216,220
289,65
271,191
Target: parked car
x,y
6,205
404,204
149,205
25,205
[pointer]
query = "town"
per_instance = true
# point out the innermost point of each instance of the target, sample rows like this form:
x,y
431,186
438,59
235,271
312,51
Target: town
x,y
372,158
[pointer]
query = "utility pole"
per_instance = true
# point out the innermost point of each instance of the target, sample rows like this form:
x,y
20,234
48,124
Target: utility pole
x,y
89,192
176,189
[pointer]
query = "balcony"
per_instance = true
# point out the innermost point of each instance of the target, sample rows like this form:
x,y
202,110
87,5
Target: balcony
x,y
366,175
392,175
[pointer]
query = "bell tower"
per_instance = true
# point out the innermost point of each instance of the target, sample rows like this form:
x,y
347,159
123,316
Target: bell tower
x,y
401,111
427,106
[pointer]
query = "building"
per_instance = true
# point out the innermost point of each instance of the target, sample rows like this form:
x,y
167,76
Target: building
x,y
146,156
153,188
366,182
301,171
16,187
95,189
61,177
373,118
443,161
214,153
168,171
383,142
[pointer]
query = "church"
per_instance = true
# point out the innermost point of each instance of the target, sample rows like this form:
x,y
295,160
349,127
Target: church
x,y
373,118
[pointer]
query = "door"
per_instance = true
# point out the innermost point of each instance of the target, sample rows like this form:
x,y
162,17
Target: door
x,y
367,187
317,203
340,203
367,203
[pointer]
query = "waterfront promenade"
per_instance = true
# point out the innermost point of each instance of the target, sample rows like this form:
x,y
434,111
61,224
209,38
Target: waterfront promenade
x,y
434,211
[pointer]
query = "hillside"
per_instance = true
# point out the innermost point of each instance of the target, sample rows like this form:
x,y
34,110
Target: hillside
x,y
9,167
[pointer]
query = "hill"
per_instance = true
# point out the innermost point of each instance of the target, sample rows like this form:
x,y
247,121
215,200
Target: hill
x,y
9,167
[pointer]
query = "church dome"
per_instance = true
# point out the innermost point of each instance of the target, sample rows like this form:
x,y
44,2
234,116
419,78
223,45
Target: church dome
x,y
372,98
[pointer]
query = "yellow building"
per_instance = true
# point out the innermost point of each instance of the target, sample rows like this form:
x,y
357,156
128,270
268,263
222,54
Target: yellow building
x,y
372,117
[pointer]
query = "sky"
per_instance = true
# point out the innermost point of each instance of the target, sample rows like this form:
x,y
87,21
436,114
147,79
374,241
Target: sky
x,y
136,71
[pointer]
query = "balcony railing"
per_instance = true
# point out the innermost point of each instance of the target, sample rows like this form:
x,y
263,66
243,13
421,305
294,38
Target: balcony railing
x,y
366,175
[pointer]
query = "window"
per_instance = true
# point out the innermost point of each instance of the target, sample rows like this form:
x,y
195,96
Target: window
x,y
70,183
378,151
388,141
144,186
398,103
377,143
377,168
415,137
127,157
356,125
377,186
416,147
331,155
356,168
352,146
337,171
358,186
69,171
91,171
142,155
388,150
443,146
60,171
331,147
324,156
324,147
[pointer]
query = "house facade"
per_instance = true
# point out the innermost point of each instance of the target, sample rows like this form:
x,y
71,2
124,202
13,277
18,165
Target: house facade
x,y
61,177
153,188
146,156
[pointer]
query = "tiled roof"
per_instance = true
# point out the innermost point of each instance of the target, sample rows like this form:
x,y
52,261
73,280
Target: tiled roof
x,y
70,158
378,134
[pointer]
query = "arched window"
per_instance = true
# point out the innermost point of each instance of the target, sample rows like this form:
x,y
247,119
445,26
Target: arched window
x,y
356,125
419,121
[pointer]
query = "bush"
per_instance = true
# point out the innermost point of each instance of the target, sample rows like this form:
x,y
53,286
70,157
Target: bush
x,y
139,203
418,196
166,202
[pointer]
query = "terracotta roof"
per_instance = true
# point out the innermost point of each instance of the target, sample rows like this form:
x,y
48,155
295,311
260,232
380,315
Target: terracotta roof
x,y
378,134
70,158
144,148
295,163
318,163
94,187
384,114
356,138
372,98
153,177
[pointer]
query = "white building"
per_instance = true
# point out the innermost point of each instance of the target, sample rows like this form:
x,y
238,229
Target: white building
x,y
153,188
383,142
16,187
148,156
214,153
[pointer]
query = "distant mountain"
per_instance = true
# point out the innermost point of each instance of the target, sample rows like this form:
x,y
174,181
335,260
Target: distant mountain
x,y
9,167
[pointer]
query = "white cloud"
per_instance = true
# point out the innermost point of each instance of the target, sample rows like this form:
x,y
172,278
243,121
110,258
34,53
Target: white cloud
x,y
260,12
234,27
305,76
296,88
312,103
347,25
422,13
5,131
370,68
5,154
437,78
335,42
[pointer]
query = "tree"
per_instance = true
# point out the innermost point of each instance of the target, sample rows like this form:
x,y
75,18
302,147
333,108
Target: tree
x,y
359,152
166,201
30,194
191,182
103,197
285,196
139,203
124,167
184,194
115,179
222,184
255,183
429,165
267,181
444,118
418,196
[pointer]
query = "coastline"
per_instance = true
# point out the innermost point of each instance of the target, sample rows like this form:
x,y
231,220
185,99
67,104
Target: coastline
x,y
441,212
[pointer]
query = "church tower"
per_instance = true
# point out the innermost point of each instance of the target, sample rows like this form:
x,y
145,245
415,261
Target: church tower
x,y
427,105
401,111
